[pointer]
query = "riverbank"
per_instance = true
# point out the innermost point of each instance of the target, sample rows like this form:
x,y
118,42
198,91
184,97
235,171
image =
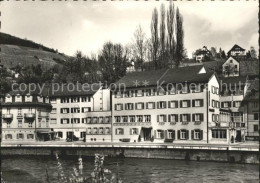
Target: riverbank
x,y
237,153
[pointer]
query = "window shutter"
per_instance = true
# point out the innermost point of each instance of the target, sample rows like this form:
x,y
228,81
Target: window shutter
x,y
142,105
158,118
155,134
201,134
222,104
179,134
164,118
115,107
146,105
61,111
234,104
142,92
193,117
202,117
165,104
173,134
181,117
176,117
176,104
193,103
188,116
187,136
201,102
229,104
169,104
131,131
169,118
162,137
122,131
135,105
192,134
188,103
181,103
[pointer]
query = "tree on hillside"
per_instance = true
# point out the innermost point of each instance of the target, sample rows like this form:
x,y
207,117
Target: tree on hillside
x,y
253,52
162,60
154,39
139,47
113,61
179,38
213,51
170,29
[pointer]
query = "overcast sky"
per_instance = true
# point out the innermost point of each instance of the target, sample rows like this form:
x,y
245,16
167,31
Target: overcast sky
x,y
85,26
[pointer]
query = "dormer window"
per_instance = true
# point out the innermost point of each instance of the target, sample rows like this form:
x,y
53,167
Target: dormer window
x,y
18,98
28,98
8,98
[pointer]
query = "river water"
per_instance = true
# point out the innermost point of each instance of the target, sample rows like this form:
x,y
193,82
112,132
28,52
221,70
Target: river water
x,y
31,169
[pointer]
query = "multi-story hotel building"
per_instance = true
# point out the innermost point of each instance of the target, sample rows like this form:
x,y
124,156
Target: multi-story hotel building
x,y
179,105
83,112
26,117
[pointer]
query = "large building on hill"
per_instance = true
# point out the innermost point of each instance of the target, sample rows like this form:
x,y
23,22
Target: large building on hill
x,y
83,112
237,51
26,117
169,105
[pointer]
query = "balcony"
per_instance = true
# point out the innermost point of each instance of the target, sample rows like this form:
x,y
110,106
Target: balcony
x,y
237,119
8,116
29,115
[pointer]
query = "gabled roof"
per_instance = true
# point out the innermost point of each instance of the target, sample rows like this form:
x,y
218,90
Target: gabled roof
x,y
235,47
164,76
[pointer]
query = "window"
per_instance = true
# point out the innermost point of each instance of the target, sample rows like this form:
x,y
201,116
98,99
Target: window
x,y
150,92
236,103
119,131
161,118
101,130
8,136
65,100
159,134
64,121
95,130
75,120
139,118
132,119
129,106
75,110
139,105
183,134
134,131
173,117
107,120
20,123
118,107
125,119
147,118
85,109
19,111
94,120
225,104
161,91
173,104
107,130
20,136
53,120
53,100
255,128
150,105
255,104
219,133
172,90
30,136
30,125
74,99
128,94
185,103
197,117
64,110
139,93
117,119
88,120
60,134
161,105
196,134
256,116
217,90
54,110
89,131
101,120
217,104
85,99
119,94
197,103
185,117
8,125
82,134
170,134
184,89
84,120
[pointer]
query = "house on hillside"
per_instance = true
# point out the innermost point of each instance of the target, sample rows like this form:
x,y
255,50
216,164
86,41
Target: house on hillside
x,y
236,51
230,67
202,54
